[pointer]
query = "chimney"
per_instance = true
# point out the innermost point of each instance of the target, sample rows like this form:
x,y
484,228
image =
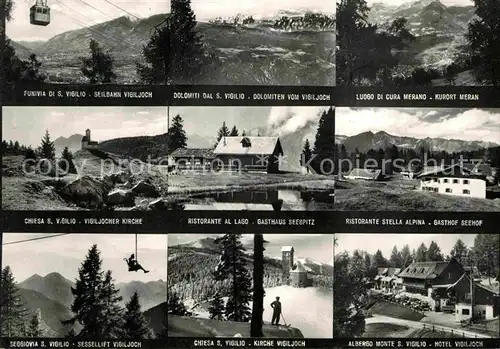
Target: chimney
x,y
224,137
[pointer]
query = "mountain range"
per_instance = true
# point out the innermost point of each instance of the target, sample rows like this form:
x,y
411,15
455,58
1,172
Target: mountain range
x,y
121,34
425,16
51,297
383,140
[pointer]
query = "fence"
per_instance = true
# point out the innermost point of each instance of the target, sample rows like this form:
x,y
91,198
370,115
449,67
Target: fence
x,y
445,330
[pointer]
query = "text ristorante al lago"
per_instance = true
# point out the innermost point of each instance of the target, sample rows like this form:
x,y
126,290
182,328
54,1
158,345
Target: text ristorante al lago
x,y
414,221
254,96
245,221
84,94
417,97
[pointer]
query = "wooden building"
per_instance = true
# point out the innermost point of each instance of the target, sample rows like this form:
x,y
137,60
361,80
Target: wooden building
x,y
420,277
191,158
249,153
485,300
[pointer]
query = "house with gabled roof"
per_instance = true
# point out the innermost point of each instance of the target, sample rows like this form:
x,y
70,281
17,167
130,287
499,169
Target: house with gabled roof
x,y
420,277
249,153
453,180
191,158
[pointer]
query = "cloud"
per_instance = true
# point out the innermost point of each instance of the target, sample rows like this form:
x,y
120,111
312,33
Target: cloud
x,y
469,125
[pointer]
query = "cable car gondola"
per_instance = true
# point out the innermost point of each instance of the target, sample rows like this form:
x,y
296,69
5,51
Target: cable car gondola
x,y
40,13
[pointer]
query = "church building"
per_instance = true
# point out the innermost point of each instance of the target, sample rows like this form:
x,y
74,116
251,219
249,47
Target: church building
x,y
87,142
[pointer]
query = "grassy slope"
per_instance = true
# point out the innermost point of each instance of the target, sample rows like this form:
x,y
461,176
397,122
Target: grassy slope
x,y
395,310
387,196
207,182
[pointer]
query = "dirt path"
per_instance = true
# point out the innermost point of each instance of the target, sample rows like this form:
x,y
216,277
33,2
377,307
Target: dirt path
x,y
418,325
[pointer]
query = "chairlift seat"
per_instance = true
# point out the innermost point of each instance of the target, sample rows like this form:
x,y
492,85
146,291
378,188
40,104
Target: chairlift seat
x,y
40,15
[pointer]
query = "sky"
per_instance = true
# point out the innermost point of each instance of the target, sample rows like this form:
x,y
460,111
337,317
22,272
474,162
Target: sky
x,y
206,121
64,255
385,242
69,15
463,124
317,247
208,9
401,2
27,125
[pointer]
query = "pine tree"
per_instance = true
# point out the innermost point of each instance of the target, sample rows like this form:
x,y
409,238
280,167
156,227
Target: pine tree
x,y
156,54
29,155
34,329
136,326
379,260
32,70
234,132
111,310
232,266
217,307
175,306
98,68
222,132
484,42
306,155
48,149
421,254
176,135
67,163
325,148
87,305
12,308
188,56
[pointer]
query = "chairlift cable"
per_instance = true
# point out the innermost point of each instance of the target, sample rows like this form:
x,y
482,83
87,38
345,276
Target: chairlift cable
x,y
103,33
33,239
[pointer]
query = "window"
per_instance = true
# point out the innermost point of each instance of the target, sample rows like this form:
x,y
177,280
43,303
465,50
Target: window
x,y
466,191
435,180
445,180
448,190
465,312
455,181
466,181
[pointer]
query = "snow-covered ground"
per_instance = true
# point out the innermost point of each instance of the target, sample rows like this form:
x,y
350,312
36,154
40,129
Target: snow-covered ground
x,y
308,309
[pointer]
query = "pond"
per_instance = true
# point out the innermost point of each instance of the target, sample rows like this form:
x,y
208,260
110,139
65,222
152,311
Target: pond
x,y
263,200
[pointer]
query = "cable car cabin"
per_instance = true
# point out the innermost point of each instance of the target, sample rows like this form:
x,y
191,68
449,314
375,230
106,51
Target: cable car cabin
x,y
40,15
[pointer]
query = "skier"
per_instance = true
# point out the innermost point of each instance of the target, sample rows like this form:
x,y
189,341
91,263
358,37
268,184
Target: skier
x,y
133,265
276,305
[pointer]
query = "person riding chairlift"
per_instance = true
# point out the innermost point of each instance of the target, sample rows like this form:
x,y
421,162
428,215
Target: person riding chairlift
x,y
133,265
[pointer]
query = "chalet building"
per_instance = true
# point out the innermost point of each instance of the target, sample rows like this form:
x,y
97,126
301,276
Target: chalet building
x,y
386,278
420,277
366,174
249,153
485,300
87,142
453,180
191,158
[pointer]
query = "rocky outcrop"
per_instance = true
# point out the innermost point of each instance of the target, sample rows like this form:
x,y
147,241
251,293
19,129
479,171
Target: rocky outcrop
x,y
120,197
145,188
87,192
